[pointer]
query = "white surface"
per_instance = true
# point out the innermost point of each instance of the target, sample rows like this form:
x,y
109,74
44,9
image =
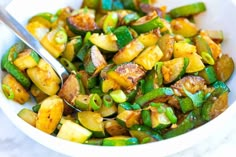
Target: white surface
x,y
223,133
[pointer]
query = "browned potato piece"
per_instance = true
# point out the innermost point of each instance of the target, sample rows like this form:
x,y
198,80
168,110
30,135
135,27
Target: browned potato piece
x,y
224,67
184,27
20,94
191,84
49,114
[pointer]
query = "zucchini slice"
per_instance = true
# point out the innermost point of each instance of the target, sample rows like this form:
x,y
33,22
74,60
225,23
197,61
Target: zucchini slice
x,y
92,121
83,22
174,69
73,132
107,42
188,10
147,23
129,52
28,115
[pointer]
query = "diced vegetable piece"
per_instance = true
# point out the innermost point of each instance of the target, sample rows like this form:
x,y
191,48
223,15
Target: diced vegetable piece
x,y
188,10
224,67
12,53
71,88
149,57
37,29
174,69
149,38
105,42
93,4
119,141
208,74
114,128
203,49
108,111
38,94
106,5
93,122
215,48
220,84
144,134
129,52
195,63
28,115
147,23
14,89
27,59
7,64
216,35
44,77
110,22
190,83
44,18
186,104
94,141
55,41
82,102
159,118
84,50
130,18
72,47
126,75
184,27
49,114
166,44
182,49
123,36
128,118
154,94
94,61
215,104
78,26
146,117
192,120
73,132
118,96
130,4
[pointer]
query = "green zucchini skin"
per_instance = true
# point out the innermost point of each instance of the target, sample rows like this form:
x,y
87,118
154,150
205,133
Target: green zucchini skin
x,y
188,10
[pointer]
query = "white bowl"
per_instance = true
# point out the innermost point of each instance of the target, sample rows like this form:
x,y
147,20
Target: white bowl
x,y
220,15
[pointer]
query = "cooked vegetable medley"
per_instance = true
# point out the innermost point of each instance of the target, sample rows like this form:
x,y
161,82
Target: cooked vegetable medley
x,y
138,73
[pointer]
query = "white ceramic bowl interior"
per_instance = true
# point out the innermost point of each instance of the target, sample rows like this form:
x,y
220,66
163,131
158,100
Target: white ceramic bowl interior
x,y
220,15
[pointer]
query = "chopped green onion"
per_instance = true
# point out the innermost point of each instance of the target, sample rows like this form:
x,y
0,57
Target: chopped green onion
x,y
8,92
67,64
207,58
118,96
95,102
107,100
60,37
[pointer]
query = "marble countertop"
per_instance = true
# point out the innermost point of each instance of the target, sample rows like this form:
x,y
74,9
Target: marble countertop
x,y
14,143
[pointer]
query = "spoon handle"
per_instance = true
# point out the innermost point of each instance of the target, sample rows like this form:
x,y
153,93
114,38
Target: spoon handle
x,y
31,42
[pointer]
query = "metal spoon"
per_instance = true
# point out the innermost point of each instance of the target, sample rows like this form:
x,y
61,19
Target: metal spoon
x,y
34,44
